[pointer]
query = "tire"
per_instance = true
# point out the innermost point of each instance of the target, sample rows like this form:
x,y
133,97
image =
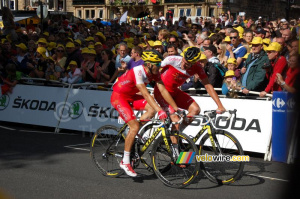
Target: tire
x,y
107,150
222,172
167,170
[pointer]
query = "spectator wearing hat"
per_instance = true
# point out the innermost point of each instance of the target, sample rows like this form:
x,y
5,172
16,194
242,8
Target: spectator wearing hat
x,y
98,49
212,67
254,73
158,46
284,51
77,44
72,54
230,83
260,32
53,71
231,65
74,75
51,48
89,69
60,56
235,49
40,68
22,58
278,64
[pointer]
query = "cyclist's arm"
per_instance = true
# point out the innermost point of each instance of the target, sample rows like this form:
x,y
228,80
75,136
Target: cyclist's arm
x,y
211,91
142,88
166,95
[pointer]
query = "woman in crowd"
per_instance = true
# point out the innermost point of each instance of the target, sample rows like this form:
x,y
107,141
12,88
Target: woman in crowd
x,y
60,56
107,68
289,83
89,68
9,24
221,49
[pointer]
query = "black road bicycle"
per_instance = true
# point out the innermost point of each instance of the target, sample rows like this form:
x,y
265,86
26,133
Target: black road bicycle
x,y
170,164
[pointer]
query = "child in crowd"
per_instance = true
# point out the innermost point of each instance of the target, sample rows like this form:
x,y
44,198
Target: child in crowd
x,y
74,76
162,36
232,65
230,82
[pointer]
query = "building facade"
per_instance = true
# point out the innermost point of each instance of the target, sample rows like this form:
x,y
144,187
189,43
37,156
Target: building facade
x,y
107,9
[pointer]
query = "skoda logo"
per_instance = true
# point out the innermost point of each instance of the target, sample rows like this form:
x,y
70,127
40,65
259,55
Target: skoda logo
x,y
4,101
76,109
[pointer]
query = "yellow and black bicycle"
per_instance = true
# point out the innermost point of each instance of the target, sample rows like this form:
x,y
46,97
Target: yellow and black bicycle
x,y
175,165
218,148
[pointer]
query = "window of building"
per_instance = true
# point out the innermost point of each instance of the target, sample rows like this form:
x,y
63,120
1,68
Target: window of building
x,y
87,14
188,12
181,12
79,14
101,14
12,4
211,12
198,12
92,14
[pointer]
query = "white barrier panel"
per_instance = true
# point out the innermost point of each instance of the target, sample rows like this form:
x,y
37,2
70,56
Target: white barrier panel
x,y
36,105
88,110
252,127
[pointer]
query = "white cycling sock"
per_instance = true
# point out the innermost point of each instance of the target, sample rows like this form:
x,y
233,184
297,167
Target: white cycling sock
x,y
126,157
175,146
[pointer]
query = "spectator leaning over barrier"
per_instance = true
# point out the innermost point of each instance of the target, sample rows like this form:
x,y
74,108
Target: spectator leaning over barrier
x,y
254,73
230,82
278,64
75,75
53,71
213,67
293,73
10,79
235,49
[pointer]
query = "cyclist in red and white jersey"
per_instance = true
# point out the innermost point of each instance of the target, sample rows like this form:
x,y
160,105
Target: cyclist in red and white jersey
x,y
175,71
124,98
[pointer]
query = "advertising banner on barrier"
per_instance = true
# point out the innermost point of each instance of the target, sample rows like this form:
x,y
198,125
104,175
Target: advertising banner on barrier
x,y
88,110
252,127
36,105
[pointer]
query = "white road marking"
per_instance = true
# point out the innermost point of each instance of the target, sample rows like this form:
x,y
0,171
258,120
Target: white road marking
x,y
76,148
4,127
268,177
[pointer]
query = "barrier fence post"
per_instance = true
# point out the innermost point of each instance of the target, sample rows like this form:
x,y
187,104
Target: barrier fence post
x,y
282,123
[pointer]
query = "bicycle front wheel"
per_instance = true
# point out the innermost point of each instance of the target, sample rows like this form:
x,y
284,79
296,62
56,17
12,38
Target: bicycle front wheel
x,y
221,171
107,150
173,170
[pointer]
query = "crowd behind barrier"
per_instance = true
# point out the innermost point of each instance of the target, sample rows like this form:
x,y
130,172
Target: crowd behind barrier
x,y
243,54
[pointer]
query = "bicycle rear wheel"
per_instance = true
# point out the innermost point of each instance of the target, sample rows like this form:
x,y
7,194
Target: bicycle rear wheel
x,y
176,172
107,150
222,172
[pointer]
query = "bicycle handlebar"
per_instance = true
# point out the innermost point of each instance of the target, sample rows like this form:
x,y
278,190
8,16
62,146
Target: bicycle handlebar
x,y
213,113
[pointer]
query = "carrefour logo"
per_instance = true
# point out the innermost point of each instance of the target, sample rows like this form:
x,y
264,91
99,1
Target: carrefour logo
x,y
4,101
278,103
76,109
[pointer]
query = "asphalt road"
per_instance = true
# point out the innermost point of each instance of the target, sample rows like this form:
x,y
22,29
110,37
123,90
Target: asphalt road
x,y
44,165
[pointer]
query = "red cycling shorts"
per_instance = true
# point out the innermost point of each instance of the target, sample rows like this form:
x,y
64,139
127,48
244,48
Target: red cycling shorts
x,y
125,105
182,99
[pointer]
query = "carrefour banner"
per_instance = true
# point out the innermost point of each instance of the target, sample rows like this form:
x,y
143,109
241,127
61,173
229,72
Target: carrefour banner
x,y
36,105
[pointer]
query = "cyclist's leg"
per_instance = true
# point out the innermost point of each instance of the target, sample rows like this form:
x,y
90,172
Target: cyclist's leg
x,y
140,103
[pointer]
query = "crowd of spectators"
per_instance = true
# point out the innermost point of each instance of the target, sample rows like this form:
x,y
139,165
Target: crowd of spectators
x,y
245,54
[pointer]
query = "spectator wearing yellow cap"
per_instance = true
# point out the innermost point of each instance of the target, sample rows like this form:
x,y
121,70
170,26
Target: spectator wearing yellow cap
x,y
22,58
254,73
235,49
40,68
75,75
89,68
42,42
77,44
51,48
72,54
278,63
230,83
157,45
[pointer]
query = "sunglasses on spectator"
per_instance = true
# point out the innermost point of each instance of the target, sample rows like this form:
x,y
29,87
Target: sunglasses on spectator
x,y
103,53
59,51
233,37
